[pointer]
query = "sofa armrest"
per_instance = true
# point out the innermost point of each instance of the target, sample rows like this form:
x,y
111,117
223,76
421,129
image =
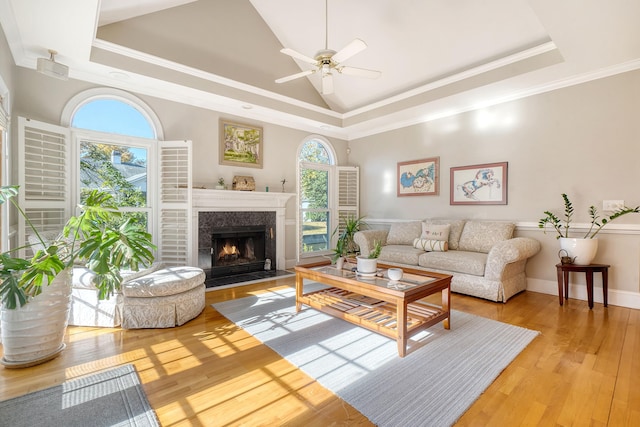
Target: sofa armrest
x,y
507,252
366,239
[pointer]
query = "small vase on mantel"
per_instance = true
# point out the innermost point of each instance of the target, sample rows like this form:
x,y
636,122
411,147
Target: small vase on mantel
x,y
582,251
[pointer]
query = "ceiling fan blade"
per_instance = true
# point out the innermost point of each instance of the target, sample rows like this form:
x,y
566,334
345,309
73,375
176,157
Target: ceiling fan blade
x,y
295,76
359,72
298,55
327,84
349,50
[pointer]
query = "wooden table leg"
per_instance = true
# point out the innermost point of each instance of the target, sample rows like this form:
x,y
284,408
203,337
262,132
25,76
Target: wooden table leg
x,y
590,288
560,284
402,327
605,285
446,297
299,289
566,284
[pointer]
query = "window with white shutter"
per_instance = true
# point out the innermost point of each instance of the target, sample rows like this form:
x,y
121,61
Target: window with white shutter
x,y
50,183
43,176
348,191
174,234
328,195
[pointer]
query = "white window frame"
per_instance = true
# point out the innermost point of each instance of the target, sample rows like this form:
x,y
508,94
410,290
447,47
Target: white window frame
x,y
151,145
331,197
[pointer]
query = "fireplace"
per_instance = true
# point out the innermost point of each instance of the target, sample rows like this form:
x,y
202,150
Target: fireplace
x,y
233,243
224,209
236,250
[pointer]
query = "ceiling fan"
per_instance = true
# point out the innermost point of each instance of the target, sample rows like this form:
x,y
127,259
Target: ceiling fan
x,y
327,60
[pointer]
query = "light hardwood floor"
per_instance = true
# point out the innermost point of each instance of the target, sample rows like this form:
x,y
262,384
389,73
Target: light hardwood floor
x,y
583,369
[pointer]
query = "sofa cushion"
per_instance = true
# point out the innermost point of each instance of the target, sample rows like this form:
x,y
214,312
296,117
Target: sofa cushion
x,y
403,233
404,254
455,261
480,236
454,233
431,245
435,232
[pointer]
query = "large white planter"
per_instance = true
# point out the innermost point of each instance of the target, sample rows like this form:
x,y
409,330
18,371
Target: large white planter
x,y
34,333
582,251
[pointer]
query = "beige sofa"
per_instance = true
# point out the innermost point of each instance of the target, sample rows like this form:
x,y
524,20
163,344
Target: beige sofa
x,y
483,257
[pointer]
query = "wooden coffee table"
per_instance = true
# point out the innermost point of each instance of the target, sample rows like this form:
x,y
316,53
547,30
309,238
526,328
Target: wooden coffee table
x,y
390,308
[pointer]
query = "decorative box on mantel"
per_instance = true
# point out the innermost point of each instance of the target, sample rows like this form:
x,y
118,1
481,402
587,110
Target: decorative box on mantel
x,y
205,200
243,183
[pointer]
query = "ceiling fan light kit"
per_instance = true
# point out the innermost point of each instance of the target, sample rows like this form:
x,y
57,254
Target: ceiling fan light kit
x,y
327,60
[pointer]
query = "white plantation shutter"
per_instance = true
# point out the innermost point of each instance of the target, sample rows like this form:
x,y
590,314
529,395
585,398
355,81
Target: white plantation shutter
x,y
348,192
174,231
43,175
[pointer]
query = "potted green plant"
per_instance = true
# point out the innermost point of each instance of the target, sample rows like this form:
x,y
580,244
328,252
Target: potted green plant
x,y
220,185
368,264
345,245
583,249
28,287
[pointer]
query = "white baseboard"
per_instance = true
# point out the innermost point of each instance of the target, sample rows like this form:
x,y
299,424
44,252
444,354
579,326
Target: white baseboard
x,y
579,291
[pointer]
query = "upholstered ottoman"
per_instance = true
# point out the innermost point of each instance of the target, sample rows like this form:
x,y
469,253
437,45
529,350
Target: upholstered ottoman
x,y
154,298
163,299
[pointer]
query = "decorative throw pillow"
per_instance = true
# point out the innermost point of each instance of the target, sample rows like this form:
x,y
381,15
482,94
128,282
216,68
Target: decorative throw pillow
x,y
456,229
403,233
431,245
435,231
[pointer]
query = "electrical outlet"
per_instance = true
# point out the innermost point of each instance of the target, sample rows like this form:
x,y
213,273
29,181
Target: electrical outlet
x,y
612,205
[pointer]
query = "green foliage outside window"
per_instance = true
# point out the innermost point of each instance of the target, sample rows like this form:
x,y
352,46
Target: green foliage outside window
x,y
99,172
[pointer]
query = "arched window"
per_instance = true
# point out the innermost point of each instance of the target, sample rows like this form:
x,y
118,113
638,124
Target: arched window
x,y
316,164
116,135
112,116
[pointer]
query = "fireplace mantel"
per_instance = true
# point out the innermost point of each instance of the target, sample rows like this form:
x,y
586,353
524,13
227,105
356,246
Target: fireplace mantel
x,y
224,199
206,200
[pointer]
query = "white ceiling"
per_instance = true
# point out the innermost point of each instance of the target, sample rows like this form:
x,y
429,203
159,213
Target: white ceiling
x,y
437,57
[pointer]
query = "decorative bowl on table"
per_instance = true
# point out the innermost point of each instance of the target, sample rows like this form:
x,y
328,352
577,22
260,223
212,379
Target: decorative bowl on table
x,y
394,274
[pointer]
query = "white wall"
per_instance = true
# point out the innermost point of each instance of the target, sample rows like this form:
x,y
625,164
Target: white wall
x,y
43,98
582,140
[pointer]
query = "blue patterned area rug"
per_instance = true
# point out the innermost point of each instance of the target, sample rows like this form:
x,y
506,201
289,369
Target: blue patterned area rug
x,y
109,398
444,372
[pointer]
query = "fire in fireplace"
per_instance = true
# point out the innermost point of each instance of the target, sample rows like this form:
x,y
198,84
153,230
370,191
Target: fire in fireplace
x,y
237,250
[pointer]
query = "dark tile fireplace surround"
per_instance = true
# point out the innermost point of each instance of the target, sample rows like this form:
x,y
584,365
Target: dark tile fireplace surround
x,y
230,245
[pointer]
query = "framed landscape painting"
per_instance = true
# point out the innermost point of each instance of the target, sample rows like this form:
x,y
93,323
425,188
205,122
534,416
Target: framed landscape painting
x,y
419,177
479,184
240,145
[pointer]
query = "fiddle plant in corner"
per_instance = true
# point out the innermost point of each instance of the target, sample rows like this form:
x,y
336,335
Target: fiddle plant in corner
x,y
96,238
